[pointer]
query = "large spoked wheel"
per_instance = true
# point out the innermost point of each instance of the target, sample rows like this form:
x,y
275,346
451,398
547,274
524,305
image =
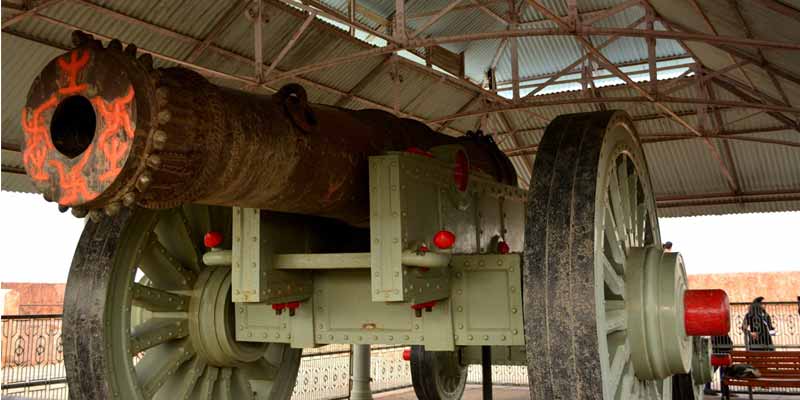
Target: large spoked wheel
x,y
437,375
144,318
590,205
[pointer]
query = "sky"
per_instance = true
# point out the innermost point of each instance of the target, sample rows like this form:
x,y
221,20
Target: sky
x,y
38,241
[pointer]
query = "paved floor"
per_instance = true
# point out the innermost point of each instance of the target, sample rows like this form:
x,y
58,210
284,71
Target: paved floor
x,y
520,393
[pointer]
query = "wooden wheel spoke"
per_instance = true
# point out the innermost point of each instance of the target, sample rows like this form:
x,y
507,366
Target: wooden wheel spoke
x,y
627,382
176,234
184,382
623,180
163,269
158,300
159,363
240,385
156,331
617,207
616,320
611,277
222,390
617,370
641,216
260,369
633,190
612,235
206,389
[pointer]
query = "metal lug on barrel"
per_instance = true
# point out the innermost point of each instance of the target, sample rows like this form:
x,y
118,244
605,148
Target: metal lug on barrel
x,y
95,216
129,199
154,161
159,139
113,209
143,182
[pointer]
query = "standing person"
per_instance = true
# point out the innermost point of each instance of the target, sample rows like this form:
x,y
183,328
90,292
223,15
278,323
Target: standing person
x,y
757,327
668,246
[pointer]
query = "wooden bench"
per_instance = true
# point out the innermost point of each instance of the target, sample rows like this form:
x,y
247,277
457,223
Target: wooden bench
x,y
779,369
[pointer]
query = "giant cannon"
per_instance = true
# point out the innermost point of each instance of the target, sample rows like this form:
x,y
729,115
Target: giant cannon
x,y
228,231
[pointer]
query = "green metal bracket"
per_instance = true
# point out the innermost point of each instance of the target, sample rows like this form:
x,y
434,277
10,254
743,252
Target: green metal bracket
x,y
257,237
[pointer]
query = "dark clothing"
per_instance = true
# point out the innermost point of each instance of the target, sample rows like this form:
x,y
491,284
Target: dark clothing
x,y
757,320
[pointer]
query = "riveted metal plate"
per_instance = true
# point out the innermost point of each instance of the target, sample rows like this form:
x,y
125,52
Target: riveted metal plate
x,y
258,322
487,303
411,198
501,355
342,316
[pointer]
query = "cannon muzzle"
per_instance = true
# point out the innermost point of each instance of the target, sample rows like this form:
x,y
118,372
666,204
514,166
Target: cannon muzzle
x,y
104,130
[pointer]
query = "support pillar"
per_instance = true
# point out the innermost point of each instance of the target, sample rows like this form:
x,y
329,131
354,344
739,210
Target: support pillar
x,y
360,389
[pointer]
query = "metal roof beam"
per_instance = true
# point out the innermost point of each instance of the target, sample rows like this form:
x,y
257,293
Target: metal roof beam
x,y
597,55
568,69
364,81
726,198
29,12
290,44
729,86
435,18
488,11
780,8
588,21
219,28
590,31
738,53
631,99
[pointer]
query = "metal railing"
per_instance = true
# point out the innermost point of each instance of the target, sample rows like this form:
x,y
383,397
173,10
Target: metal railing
x,y
32,359
33,364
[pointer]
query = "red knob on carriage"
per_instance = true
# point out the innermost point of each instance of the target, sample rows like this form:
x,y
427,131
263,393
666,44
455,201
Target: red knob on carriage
x,y
502,248
707,312
444,239
407,354
721,360
212,239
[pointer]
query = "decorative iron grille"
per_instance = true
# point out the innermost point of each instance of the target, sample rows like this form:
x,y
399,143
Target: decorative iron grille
x,y
33,367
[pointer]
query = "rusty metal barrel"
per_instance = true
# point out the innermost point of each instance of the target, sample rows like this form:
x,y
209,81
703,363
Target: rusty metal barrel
x,y
104,130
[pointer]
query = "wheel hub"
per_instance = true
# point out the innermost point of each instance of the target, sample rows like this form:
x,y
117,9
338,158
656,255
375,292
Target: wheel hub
x,y
212,323
655,286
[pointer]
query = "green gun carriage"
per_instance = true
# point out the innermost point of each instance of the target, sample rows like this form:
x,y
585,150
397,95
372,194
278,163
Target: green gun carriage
x,y
228,231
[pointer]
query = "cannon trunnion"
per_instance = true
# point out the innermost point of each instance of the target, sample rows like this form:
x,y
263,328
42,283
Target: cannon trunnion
x,y
240,229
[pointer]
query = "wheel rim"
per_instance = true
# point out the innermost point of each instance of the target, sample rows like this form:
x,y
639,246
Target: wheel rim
x,y
590,203
450,376
171,334
437,375
627,224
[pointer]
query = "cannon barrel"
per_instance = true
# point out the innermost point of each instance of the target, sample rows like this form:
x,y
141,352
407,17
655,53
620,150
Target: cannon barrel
x,y
104,130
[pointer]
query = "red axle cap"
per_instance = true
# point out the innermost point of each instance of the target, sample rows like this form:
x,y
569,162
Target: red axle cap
x,y
707,312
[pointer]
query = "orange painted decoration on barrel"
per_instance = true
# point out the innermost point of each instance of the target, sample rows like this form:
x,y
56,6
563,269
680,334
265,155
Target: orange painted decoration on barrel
x,y
37,140
72,67
115,117
108,150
